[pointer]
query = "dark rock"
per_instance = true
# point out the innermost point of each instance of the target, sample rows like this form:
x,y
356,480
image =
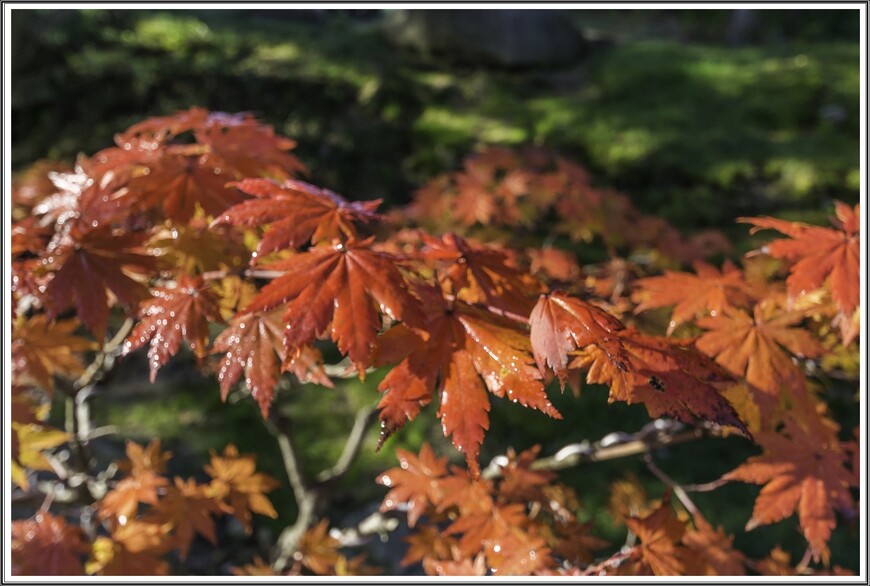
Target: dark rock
x,y
507,38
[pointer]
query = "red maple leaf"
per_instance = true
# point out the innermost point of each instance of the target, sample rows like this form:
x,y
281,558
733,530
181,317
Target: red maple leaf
x,y
150,170
173,314
46,546
468,352
297,212
254,344
822,256
339,289
667,376
86,264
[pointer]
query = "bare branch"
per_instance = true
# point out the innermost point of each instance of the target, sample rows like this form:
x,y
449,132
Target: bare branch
x,y
279,428
706,486
804,564
613,561
104,360
249,273
657,434
678,490
364,419
654,435
306,495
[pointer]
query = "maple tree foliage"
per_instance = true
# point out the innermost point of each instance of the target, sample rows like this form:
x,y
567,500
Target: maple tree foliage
x,y
195,231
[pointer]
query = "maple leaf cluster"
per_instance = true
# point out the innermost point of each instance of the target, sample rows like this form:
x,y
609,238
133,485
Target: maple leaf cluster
x,y
196,229
144,517
522,522
522,189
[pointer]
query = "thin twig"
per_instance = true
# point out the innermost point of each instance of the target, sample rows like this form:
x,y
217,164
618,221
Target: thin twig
x,y
613,561
98,367
706,486
364,419
289,455
249,273
678,490
655,435
802,565
306,496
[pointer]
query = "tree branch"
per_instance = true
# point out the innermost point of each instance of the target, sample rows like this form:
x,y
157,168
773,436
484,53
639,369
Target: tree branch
x,y
306,496
249,273
678,490
279,428
656,434
364,419
613,561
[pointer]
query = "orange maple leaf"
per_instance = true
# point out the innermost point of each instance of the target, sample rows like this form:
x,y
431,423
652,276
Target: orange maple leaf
x,y
716,549
822,256
427,543
692,294
41,350
317,550
480,274
133,549
803,471
756,347
141,486
235,481
661,552
188,508
414,482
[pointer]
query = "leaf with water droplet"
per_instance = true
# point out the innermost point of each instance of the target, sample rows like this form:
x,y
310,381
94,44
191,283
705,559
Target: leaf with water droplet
x,y
94,261
193,306
326,290
469,351
254,344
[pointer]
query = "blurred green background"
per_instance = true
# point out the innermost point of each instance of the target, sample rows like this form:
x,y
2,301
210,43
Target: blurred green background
x,y
699,116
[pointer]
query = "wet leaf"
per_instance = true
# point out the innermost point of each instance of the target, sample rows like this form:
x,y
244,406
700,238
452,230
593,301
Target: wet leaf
x,y
173,314
342,289
469,351
89,264
297,212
